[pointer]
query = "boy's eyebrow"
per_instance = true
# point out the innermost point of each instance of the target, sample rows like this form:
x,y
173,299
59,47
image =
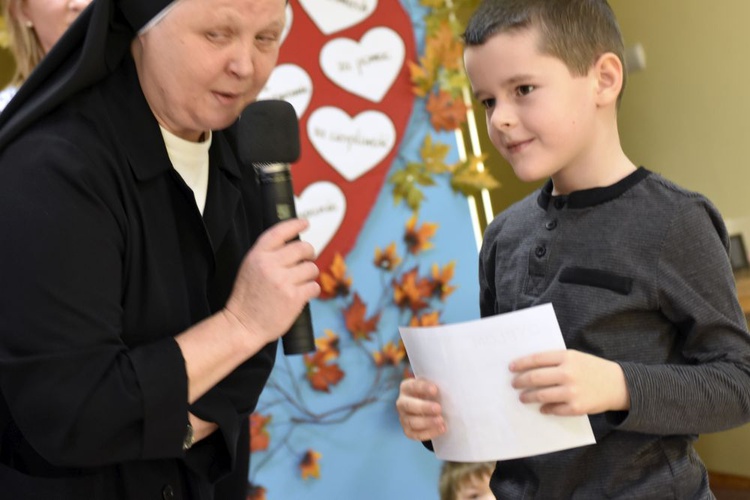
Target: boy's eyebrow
x,y
517,79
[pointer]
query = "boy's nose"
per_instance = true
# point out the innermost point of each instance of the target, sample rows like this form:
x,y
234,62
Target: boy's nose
x,y
503,117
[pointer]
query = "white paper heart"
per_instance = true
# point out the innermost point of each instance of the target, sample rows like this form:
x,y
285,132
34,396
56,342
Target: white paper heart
x,y
366,68
331,16
323,204
290,83
288,24
351,146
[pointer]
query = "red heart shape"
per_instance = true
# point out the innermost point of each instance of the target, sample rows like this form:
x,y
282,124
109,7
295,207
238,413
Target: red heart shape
x,y
302,47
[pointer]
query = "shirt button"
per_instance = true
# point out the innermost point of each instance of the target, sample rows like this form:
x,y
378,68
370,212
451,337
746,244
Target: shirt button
x,y
550,225
167,493
540,251
559,203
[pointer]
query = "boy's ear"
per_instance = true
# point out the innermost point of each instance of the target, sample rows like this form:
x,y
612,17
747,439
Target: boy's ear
x,y
609,74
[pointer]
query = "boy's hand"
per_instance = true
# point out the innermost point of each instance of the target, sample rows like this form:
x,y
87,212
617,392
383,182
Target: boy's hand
x,y
571,383
419,411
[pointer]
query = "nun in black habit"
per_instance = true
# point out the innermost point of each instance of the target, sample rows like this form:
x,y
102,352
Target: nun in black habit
x,y
140,298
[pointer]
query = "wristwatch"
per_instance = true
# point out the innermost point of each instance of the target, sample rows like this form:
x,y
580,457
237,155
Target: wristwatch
x,y
187,443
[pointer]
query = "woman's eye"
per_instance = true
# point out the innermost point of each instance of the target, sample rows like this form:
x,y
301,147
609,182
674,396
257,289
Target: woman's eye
x,y
216,36
268,37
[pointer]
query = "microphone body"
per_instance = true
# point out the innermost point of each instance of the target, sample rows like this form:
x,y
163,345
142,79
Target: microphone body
x,y
278,204
267,138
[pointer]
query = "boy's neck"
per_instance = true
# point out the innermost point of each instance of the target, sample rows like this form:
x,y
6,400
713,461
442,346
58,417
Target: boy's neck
x,y
612,176
603,165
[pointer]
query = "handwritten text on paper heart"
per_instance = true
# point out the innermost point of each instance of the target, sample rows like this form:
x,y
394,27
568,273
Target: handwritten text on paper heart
x,y
323,204
352,146
366,68
290,83
331,16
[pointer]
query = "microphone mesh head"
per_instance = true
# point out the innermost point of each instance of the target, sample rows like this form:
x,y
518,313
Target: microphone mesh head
x,y
268,132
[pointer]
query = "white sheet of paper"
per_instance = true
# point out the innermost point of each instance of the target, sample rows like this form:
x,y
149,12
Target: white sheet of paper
x,y
469,363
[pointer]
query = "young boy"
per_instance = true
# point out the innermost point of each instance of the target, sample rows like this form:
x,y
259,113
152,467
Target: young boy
x,y
635,267
466,481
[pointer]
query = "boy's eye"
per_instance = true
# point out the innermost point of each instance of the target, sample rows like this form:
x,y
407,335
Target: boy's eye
x,y
523,90
488,103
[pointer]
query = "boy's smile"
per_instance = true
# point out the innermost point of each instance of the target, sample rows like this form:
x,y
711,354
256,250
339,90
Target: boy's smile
x,y
540,117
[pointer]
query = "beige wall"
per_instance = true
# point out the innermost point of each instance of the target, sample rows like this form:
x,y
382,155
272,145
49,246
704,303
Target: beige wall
x,y
686,117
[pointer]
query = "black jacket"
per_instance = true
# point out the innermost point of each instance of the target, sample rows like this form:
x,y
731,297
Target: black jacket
x,y
104,258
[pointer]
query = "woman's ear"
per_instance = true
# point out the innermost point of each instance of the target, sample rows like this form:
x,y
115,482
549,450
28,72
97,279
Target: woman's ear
x,y
609,73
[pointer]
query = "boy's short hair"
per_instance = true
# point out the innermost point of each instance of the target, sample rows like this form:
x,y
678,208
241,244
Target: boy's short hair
x,y
577,32
454,475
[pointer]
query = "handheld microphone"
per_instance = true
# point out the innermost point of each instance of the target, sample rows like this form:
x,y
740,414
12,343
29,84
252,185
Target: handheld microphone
x,y
268,139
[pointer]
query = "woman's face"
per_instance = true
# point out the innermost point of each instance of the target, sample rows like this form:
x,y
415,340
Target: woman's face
x,y
206,60
50,18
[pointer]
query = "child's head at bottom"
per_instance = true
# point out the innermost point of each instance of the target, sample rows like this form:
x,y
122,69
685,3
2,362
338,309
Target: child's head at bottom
x,y
466,481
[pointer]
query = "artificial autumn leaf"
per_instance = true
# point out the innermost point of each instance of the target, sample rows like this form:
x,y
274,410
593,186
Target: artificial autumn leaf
x,y
427,319
441,278
354,317
411,291
334,282
447,112
321,375
470,177
405,185
417,240
387,259
328,346
309,466
255,492
445,47
259,436
390,355
423,76
453,82
433,156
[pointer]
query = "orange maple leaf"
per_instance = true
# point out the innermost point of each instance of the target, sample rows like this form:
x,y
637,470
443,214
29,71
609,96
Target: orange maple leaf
x,y
321,375
412,291
446,111
427,319
255,492
445,47
259,436
390,355
440,280
417,240
422,77
387,259
334,282
309,466
328,346
354,316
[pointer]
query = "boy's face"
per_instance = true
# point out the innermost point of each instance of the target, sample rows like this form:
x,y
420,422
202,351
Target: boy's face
x,y
540,117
